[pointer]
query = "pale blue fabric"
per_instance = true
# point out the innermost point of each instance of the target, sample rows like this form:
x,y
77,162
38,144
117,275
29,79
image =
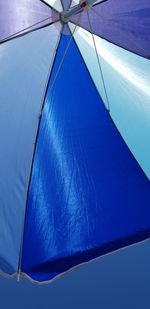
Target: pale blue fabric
x,y
24,65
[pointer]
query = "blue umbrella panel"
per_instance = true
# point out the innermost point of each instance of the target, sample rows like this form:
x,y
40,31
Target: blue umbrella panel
x,y
74,131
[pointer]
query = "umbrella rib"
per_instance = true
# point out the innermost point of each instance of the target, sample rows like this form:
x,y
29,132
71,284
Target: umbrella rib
x,y
63,58
33,154
100,2
21,32
62,4
69,5
50,6
43,100
47,82
108,40
99,63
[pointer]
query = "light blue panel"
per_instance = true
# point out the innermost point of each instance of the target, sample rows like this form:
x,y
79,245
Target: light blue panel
x,y
24,64
127,80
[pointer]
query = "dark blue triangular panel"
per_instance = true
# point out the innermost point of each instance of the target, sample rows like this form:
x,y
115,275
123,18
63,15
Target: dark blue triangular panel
x,y
88,195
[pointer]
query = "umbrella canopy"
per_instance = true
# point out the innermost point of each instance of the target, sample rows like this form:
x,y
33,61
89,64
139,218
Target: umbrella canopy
x,y
74,132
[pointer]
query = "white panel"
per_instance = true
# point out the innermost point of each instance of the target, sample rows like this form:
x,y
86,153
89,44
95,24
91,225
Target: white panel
x,y
127,80
85,44
92,2
24,64
56,4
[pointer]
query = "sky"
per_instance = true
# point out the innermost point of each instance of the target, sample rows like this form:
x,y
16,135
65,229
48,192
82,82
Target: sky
x,y
117,281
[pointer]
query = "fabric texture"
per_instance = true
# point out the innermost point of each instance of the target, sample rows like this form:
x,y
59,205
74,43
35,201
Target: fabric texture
x,y
88,195
22,86
127,83
71,111
124,23
17,17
